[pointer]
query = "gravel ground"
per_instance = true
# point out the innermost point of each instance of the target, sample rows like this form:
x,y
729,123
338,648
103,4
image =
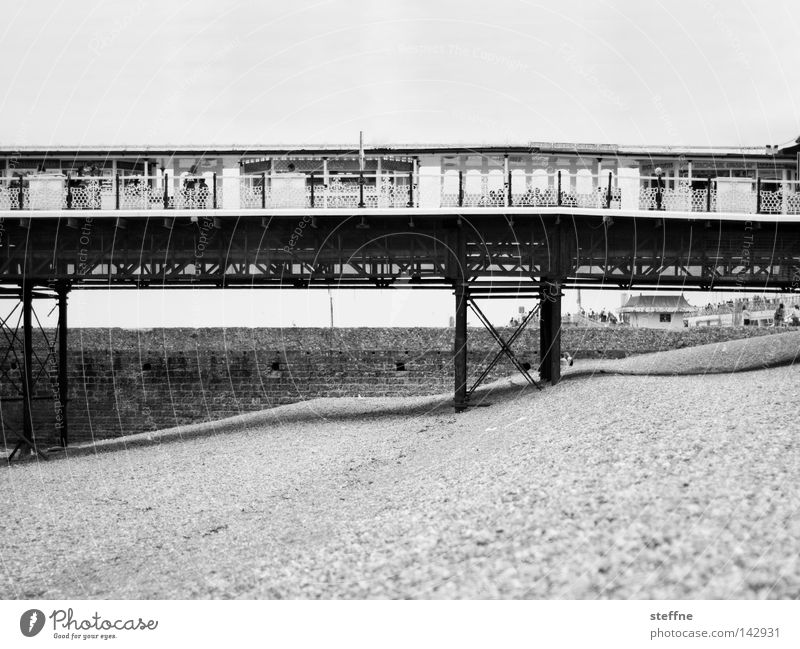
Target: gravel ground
x,y
741,355
600,487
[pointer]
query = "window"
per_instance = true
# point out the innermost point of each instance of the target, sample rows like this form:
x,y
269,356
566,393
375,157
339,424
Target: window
x,y
665,317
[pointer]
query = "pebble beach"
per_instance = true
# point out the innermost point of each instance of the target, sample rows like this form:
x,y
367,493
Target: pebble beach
x,y
620,485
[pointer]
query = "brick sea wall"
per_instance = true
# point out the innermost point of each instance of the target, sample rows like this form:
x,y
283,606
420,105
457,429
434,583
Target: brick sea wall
x,y
129,381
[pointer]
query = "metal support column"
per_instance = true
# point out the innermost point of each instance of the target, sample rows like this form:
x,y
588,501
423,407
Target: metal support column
x,y
27,365
460,344
63,377
550,333
544,338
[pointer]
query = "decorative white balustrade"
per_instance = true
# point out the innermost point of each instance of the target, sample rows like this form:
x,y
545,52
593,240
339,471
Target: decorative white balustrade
x,y
680,199
343,191
780,202
109,193
473,189
394,190
737,195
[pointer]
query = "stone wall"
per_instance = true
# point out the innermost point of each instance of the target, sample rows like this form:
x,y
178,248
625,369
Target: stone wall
x,y
129,381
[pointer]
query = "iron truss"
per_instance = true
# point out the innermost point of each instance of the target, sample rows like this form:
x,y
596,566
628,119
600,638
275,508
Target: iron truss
x,y
502,252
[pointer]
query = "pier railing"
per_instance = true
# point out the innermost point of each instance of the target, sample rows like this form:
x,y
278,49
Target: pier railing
x,y
399,190
56,192
742,195
351,190
519,189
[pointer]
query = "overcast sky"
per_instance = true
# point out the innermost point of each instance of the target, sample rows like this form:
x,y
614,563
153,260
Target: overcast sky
x,y
453,71
153,72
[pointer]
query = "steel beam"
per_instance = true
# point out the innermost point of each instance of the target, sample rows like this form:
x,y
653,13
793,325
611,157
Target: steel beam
x,y
633,252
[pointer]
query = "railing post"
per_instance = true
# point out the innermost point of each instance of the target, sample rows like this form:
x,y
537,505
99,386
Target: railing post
x,y
214,203
21,194
461,189
411,188
69,192
510,195
361,189
758,195
263,190
608,192
559,188
166,191
312,190
708,195
116,190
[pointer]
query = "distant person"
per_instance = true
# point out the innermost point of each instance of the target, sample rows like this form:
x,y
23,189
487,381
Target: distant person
x,y
746,317
780,313
794,318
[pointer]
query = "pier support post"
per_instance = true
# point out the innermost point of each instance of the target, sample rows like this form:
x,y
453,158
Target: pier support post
x,y
27,365
550,333
460,343
460,348
63,376
49,365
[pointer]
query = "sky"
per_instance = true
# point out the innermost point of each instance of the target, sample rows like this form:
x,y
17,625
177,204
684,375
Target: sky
x,y
142,72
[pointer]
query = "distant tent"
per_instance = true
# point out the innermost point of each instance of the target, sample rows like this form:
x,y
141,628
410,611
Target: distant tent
x,y
657,304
